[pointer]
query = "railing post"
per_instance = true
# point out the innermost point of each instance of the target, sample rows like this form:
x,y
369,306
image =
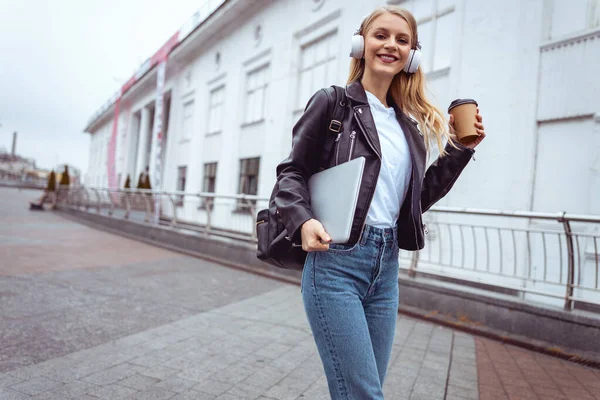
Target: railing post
x,y
571,255
127,205
110,199
209,208
87,199
174,206
54,198
412,271
148,206
252,210
98,202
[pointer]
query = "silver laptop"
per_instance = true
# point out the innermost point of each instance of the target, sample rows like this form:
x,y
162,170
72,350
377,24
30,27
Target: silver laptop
x,y
333,197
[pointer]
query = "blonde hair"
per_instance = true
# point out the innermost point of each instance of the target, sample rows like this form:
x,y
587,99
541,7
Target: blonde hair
x,y
408,90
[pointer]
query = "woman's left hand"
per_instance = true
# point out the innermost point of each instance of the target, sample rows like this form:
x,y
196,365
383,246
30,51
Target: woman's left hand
x,y
478,126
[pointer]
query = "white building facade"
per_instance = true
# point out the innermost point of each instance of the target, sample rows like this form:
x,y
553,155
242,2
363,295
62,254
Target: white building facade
x,y
235,86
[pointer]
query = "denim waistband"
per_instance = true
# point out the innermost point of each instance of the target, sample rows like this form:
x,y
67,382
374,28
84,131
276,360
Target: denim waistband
x,y
381,235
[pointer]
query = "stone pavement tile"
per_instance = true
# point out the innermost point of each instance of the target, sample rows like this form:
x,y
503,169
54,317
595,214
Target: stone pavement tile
x,y
152,394
198,374
110,375
176,384
158,372
139,382
74,389
213,387
288,388
67,374
318,390
148,360
194,395
266,377
519,392
9,394
582,394
112,392
227,396
492,393
455,391
425,387
273,350
29,372
549,393
8,380
35,386
246,390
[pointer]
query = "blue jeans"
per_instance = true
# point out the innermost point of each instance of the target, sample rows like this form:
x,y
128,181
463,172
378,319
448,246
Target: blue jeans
x,y
350,297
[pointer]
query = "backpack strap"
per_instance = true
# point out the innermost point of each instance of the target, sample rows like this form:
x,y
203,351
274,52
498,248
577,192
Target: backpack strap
x,y
337,114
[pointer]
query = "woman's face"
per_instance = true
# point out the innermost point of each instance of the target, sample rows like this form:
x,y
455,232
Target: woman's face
x,y
387,45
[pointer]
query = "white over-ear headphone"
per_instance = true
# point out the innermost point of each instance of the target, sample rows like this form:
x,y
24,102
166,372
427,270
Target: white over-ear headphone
x,y
358,51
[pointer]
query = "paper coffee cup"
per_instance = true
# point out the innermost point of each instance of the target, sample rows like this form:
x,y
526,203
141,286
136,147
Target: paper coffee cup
x,y
465,117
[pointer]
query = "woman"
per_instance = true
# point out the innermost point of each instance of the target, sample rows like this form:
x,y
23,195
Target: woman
x,y
350,291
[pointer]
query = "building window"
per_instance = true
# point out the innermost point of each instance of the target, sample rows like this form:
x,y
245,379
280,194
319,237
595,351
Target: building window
x,y
210,177
436,20
181,176
317,67
210,182
248,181
256,91
188,120
215,112
571,18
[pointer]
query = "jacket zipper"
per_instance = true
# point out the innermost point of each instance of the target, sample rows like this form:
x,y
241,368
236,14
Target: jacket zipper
x,y
372,192
362,127
337,147
352,137
412,214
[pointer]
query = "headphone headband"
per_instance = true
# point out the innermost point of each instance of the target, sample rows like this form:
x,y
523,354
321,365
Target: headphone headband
x,y
359,29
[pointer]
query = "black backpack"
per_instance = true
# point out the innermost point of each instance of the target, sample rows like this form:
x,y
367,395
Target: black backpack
x,y
274,246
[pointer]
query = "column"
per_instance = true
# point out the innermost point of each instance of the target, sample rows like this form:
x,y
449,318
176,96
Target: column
x,y
142,157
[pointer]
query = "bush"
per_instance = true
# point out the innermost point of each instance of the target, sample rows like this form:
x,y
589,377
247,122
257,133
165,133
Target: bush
x,y
51,187
65,180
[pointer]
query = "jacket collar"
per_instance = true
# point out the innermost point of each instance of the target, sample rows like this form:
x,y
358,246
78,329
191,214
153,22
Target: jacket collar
x,y
356,93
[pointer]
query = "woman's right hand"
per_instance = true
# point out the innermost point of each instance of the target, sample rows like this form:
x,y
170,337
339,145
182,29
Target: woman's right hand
x,y
313,235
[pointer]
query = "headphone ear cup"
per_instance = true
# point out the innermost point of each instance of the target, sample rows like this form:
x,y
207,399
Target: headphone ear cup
x,y
358,47
414,60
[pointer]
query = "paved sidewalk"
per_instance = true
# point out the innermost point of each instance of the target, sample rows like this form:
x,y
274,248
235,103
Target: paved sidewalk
x,y
89,315
260,348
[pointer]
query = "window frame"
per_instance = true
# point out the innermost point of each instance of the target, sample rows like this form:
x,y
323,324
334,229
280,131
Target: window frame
x,y
264,70
204,201
215,127
181,188
245,168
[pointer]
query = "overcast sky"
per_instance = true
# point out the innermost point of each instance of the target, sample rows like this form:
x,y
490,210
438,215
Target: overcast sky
x,y
61,60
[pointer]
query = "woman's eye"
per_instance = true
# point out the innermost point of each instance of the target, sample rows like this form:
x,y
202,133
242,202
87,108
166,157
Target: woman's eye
x,y
380,36
404,41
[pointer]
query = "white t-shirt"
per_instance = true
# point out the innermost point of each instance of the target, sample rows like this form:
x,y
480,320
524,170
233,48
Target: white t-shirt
x,y
396,167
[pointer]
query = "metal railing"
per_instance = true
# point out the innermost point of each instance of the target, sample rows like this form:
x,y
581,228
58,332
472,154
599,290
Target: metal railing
x,y
229,216
552,258
549,257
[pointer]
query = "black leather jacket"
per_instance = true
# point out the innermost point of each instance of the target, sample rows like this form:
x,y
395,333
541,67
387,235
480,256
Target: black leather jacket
x,y
312,152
